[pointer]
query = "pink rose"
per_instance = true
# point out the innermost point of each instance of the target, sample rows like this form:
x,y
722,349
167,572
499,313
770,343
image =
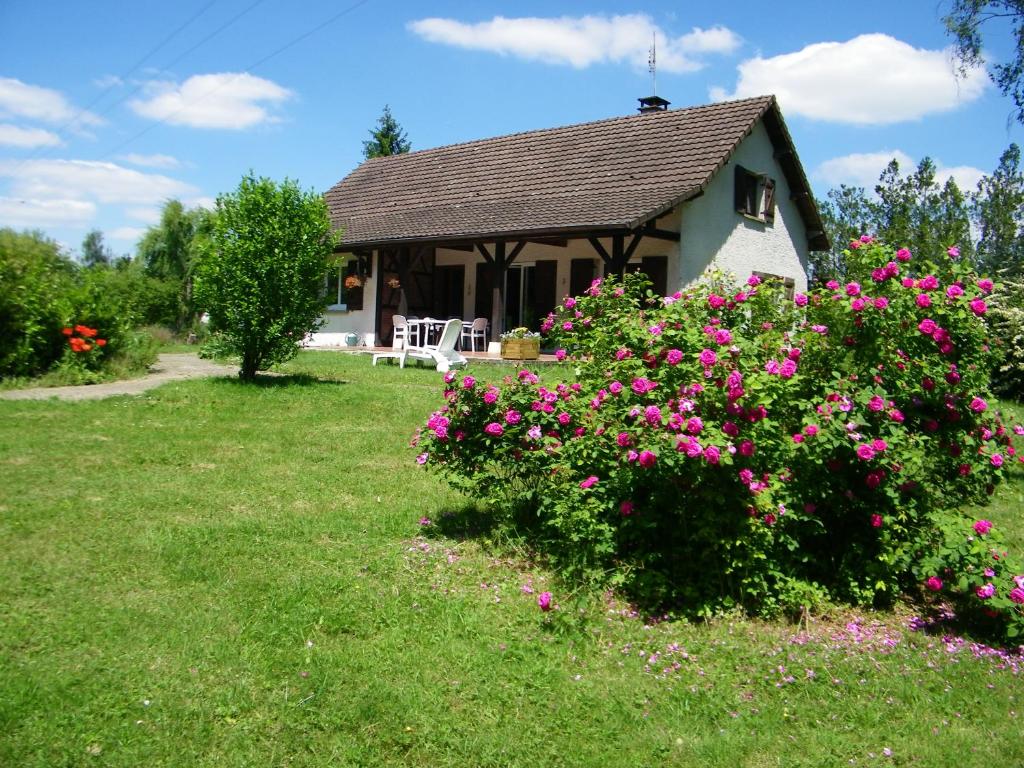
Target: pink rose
x,y
979,307
544,601
934,583
708,358
981,527
978,405
876,521
852,289
924,300
560,355
903,254
647,459
494,428
1017,595
865,452
800,300
985,591
626,508
590,481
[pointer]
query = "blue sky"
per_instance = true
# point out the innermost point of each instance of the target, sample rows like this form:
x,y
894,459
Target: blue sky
x,y
109,108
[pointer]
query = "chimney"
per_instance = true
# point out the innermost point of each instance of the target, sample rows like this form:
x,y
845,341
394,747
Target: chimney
x,y
652,104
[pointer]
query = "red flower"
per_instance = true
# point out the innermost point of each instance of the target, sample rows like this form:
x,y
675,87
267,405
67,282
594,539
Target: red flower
x,y
101,342
67,331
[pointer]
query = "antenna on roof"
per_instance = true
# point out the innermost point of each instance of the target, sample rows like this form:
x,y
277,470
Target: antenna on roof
x,y
652,63
653,103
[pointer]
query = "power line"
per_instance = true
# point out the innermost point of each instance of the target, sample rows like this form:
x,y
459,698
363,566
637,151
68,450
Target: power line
x,y
152,52
202,42
276,52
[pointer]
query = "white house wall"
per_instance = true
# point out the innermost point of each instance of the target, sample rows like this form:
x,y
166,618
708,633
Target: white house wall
x,y
338,324
712,230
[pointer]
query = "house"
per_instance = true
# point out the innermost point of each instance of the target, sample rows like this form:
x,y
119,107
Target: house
x,y
505,227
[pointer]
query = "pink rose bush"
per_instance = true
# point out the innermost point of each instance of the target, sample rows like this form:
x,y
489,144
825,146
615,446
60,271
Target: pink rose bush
x,y
756,449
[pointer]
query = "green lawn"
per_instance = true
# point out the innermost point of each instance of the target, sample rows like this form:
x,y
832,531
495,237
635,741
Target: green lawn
x,y
215,574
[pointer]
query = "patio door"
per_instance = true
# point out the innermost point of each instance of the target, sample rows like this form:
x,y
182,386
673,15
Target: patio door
x,y
529,293
519,284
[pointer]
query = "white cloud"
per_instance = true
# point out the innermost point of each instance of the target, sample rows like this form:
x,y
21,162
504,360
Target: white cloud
x,y
90,180
965,176
201,201
225,100
151,161
127,234
863,170
145,215
581,41
36,103
869,80
860,169
27,138
28,212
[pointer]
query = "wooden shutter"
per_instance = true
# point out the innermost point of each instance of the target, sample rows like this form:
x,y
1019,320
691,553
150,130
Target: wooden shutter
x,y
656,269
544,290
769,200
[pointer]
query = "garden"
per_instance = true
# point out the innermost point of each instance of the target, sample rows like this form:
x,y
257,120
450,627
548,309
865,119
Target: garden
x,y
228,573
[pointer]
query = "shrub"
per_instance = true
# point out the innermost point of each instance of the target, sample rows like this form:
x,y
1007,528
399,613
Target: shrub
x,y
1007,326
35,282
726,446
260,276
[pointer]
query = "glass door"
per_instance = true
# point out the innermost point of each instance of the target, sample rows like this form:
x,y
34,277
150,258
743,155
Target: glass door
x,y
519,298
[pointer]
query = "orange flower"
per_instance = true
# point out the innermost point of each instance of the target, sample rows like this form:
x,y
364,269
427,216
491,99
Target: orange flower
x,y
101,342
67,331
86,347
76,344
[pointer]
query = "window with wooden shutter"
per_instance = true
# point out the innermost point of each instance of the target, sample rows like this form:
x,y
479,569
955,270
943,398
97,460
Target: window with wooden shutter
x,y
754,195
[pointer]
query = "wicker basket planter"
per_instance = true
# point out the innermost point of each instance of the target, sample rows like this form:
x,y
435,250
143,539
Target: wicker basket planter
x,y
520,349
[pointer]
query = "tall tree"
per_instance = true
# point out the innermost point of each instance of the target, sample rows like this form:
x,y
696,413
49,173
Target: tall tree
x,y
387,138
168,251
260,275
94,252
965,21
998,209
847,213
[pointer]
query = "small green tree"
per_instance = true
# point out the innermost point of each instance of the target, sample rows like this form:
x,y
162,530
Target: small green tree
x,y
260,273
94,252
387,138
168,251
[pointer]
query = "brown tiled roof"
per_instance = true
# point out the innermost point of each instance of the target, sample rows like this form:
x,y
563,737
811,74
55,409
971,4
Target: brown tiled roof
x,y
610,174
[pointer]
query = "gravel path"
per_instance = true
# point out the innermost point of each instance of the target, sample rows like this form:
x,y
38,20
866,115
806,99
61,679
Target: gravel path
x,y
168,367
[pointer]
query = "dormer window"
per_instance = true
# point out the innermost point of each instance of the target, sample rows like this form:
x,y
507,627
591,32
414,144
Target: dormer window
x,y
755,195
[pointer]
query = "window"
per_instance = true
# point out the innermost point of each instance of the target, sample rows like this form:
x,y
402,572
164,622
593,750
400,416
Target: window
x,y
334,287
343,287
755,195
788,283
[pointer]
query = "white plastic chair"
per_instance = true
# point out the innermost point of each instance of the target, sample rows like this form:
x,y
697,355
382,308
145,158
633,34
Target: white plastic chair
x,y
473,331
400,337
443,354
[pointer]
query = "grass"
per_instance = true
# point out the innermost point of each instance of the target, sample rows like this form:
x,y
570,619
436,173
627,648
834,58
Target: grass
x,y
215,574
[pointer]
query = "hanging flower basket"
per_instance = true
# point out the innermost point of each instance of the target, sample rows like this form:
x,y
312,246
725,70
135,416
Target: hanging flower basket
x,y
353,281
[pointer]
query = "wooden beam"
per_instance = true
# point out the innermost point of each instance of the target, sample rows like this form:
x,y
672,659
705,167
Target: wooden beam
x,y
631,248
660,234
516,251
457,247
483,252
600,250
554,242
499,265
